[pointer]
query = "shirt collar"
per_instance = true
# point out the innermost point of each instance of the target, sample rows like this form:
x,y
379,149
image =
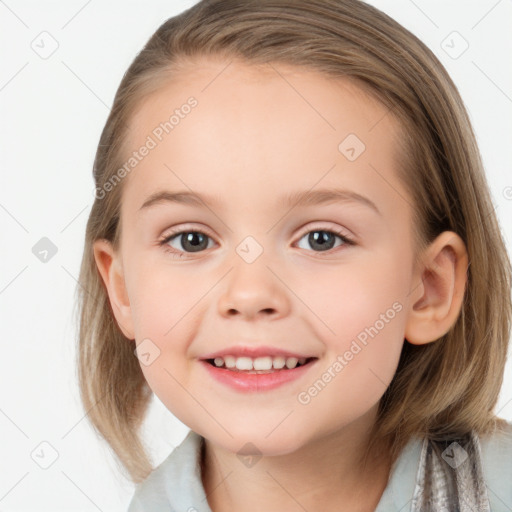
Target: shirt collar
x,y
177,480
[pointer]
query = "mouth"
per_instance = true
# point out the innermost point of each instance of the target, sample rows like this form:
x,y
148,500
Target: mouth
x,y
257,370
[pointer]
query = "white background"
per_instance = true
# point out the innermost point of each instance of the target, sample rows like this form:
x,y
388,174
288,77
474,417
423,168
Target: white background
x,y
52,114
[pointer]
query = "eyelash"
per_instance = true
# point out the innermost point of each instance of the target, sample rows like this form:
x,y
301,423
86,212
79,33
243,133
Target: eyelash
x,y
180,254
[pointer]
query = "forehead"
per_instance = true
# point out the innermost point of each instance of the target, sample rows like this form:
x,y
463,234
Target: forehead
x,y
218,81
262,127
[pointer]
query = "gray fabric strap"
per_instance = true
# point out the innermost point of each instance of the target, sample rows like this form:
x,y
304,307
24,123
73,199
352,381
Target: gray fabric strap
x,y
450,477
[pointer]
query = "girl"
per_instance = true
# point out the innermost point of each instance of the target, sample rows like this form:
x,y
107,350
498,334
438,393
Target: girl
x,y
293,245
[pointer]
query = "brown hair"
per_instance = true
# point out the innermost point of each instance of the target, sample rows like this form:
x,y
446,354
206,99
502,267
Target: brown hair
x,y
445,388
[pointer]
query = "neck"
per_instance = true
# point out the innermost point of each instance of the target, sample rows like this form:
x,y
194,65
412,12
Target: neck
x,y
319,476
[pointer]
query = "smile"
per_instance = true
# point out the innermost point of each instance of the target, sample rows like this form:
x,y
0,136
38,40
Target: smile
x,y
259,374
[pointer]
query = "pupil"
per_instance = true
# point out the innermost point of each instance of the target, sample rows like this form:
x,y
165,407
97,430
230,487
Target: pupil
x,y
195,239
321,239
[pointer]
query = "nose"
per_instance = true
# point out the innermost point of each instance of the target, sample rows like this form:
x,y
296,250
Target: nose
x,y
253,291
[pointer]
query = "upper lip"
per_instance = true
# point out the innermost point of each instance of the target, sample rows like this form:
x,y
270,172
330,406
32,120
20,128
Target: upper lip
x,y
253,352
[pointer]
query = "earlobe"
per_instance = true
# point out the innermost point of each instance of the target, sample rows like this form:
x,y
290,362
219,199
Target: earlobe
x,y
111,271
439,290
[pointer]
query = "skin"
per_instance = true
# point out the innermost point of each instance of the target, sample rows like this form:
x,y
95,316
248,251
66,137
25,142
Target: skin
x,y
257,134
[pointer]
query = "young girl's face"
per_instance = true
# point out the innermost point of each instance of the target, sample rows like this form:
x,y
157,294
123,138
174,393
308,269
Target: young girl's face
x,y
259,268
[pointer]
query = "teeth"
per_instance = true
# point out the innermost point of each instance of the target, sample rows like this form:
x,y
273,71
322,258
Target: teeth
x,y
262,363
229,361
243,363
258,363
291,362
278,362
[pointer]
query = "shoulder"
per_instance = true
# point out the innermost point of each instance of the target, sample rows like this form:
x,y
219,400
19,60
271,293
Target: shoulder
x,y
176,483
496,454
151,494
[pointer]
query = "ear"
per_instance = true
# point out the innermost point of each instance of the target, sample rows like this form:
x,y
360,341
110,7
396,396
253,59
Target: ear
x,y
110,267
439,282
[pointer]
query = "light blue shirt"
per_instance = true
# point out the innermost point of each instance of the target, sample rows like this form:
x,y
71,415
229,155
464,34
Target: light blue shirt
x,y
176,486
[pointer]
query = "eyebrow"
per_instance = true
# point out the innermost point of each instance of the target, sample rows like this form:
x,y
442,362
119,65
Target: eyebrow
x,y
295,199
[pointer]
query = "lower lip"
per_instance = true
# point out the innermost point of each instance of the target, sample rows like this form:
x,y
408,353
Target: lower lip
x,y
253,382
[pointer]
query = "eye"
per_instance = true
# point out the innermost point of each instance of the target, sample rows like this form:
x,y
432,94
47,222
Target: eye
x,y
185,242
179,243
324,239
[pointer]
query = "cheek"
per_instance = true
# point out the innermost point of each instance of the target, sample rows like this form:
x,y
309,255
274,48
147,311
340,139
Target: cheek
x,y
164,312
162,317
160,313
352,297
359,312
159,298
